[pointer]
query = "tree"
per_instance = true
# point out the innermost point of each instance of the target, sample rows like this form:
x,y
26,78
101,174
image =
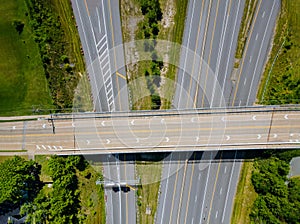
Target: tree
x,y
19,182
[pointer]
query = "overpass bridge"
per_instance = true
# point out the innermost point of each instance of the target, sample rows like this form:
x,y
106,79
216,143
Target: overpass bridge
x,y
153,131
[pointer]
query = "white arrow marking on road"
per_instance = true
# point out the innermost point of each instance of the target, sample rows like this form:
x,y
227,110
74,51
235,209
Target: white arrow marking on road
x,y
225,170
162,121
192,120
103,123
254,117
132,122
167,139
275,135
14,127
227,137
217,214
291,134
221,191
223,119
73,125
137,140
44,125
107,141
37,147
197,139
258,136
43,147
88,142
286,116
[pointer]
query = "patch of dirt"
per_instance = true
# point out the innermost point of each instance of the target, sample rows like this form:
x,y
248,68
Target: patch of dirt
x,y
168,14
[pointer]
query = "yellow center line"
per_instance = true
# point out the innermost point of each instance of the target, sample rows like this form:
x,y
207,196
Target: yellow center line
x,y
113,45
215,185
190,187
87,8
181,192
195,54
202,54
174,192
245,53
210,48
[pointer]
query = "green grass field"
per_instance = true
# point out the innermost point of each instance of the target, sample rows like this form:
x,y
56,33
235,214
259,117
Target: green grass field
x,y
23,85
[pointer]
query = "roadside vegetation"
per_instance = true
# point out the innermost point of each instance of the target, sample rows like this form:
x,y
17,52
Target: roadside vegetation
x,y
281,78
52,190
245,195
23,85
278,198
265,194
54,31
247,19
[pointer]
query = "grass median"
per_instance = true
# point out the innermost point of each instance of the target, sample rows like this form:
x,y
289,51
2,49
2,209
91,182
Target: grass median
x,y
149,174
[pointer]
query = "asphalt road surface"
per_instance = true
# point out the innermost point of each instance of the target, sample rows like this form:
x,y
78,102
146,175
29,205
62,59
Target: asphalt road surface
x,y
208,79
197,188
100,32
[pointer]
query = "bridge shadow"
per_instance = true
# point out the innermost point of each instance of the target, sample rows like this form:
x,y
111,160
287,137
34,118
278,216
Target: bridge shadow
x,y
193,156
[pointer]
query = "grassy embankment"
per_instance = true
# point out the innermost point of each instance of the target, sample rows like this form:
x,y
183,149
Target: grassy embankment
x,y
281,79
248,14
245,196
23,85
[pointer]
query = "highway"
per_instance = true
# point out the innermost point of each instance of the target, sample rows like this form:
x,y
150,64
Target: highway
x,y
185,193
209,79
100,33
99,28
255,55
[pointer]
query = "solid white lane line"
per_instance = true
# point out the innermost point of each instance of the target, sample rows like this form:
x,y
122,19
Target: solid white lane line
x,y
86,42
259,53
167,184
99,22
227,193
